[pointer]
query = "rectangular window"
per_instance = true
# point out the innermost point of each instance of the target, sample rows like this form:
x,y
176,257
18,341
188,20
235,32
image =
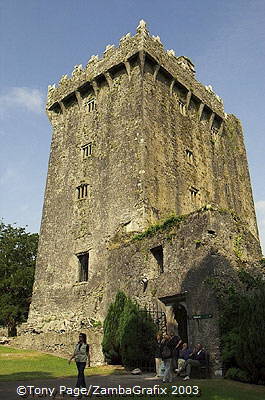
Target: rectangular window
x,y
189,156
82,191
159,258
83,260
87,150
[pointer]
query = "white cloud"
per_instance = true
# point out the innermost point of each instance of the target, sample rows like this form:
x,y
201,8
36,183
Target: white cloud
x,y
260,211
27,98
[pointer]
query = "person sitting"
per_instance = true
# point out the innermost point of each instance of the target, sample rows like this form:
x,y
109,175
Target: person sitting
x,y
197,359
184,355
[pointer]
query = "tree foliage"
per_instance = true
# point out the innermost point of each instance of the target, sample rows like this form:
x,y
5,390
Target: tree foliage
x,y
18,251
110,343
242,316
129,333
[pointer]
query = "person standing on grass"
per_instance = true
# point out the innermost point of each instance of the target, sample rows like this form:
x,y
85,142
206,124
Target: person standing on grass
x,y
81,356
175,344
166,355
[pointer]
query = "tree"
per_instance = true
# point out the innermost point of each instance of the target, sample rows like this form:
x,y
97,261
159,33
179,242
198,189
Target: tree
x,y
136,334
18,251
129,333
242,315
110,343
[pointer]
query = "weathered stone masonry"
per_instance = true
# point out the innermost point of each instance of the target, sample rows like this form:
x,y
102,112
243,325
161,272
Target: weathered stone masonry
x,y
136,138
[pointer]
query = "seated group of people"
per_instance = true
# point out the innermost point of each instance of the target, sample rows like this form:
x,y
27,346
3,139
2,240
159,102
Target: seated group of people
x,y
177,357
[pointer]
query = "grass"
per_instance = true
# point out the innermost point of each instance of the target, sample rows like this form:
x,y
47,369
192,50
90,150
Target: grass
x,y
21,365
18,364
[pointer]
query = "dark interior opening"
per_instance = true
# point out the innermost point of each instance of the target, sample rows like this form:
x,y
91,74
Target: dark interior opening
x,y
158,255
206,114
70,100
83,266
181,318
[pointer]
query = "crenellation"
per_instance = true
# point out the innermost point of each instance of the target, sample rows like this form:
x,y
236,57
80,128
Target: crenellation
x,y
100,67
142,28
171,53
157,39
124,38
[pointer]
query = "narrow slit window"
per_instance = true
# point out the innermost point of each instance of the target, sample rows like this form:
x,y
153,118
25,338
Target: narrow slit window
x,y
87,150
91,105
83,260
189,156
157,252
194,193
214,129
82,191
182,107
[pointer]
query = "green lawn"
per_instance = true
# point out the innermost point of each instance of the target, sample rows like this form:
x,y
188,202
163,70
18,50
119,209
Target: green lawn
x,y
19,365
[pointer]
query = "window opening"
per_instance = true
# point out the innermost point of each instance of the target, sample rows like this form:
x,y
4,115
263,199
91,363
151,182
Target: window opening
x,y
214,130
216,126
194,104
189,156
206,114
157,252
182,107
82,191
70,100
194,193
87,150
83,260
91,105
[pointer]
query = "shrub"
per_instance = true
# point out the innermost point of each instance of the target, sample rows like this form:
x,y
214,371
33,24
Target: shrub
x,y
242,315
136,335
110,343
129,333
237,375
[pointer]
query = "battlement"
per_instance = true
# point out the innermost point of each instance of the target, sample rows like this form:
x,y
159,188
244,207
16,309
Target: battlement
x,y
141,49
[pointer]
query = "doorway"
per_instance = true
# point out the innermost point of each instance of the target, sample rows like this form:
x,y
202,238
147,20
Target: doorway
x,y
181,318
176,310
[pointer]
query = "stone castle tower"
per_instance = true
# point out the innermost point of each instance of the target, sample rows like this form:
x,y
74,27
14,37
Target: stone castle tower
x,y
136,140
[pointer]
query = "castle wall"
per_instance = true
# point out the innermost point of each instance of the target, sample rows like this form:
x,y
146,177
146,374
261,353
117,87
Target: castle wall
x,y
184,153
61,344
204,245
70,225
135,139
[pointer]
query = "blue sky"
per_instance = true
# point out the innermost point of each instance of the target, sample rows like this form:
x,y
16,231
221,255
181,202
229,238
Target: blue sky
x,y
41,40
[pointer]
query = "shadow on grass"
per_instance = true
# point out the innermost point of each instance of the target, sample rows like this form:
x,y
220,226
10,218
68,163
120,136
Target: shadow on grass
x,y
41,375
23,376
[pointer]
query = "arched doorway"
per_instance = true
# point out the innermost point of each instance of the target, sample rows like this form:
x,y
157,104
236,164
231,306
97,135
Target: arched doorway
x,y
175,307
181,318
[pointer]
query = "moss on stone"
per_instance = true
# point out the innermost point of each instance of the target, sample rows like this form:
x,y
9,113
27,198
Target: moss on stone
x,y
162,227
